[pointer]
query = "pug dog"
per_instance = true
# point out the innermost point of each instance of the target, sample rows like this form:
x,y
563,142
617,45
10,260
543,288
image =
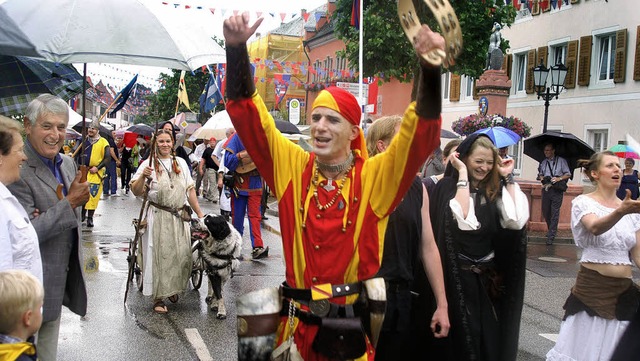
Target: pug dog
x,y
221,252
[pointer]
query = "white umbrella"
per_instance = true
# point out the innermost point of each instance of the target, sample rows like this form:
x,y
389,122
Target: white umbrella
x,y
115,31
215,127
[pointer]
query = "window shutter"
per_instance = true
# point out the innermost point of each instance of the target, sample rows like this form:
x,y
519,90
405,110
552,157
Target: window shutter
x,y
531,63
572,61
584,60
620,66
506,64
475,90
543,54
636,62
454,89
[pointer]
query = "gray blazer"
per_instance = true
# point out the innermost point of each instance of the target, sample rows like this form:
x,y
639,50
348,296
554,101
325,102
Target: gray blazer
x,y
58,227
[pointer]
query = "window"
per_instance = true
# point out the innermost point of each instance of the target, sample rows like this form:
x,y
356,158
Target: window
x,y
598,139
467,83
515,151
520,73
558,55
317,68
445,85
328,68
605,49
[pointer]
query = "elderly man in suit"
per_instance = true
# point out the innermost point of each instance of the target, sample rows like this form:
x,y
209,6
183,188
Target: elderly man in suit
x,y
51,192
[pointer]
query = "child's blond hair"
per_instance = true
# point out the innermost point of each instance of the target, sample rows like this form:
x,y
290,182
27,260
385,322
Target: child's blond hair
x,y
20,291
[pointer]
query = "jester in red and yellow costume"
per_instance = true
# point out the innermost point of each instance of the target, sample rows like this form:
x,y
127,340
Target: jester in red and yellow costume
x,y
333,202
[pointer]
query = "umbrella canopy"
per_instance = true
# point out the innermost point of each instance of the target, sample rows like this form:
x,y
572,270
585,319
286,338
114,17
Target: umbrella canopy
x,y
104,132
500,136
22,79
142,129
567,146
287,127
448,134
215,127
72,134
114,31
624,151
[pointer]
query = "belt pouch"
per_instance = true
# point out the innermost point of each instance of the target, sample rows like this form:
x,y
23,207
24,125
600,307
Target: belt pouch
x,y
340,338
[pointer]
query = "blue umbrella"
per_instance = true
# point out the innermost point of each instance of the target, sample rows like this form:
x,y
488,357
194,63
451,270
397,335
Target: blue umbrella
x,y
500,136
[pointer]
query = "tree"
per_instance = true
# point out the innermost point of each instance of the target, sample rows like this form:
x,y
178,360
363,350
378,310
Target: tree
x,y
163,102
387,52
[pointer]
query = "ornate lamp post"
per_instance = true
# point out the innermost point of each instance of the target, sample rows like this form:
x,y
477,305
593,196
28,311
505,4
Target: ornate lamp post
x,y
540,74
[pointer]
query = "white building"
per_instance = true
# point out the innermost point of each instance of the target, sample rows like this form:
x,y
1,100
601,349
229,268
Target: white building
x,y
599,42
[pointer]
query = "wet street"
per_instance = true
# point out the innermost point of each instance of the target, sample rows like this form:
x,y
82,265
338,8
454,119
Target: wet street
x,y
113,330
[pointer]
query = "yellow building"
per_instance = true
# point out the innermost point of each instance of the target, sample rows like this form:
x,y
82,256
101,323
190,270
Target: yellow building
x,y
280,67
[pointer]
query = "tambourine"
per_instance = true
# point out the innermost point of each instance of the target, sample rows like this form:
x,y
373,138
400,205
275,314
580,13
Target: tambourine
x,y
449,25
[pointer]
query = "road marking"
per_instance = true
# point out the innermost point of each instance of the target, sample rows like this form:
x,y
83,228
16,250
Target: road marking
x,y
198,343
550,336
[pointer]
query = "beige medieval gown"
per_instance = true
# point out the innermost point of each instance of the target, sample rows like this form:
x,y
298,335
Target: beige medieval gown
x,y
166,244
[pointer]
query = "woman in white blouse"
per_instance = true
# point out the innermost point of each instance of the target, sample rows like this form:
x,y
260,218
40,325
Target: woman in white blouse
x,y
19,248
604,297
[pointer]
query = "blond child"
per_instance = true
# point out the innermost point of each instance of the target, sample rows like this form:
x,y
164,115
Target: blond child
x,y
21,300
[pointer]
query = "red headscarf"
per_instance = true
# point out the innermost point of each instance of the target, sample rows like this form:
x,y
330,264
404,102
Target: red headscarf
x,y
346,104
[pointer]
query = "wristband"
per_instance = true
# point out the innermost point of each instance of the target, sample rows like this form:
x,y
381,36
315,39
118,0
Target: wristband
x,y
508,179
462,184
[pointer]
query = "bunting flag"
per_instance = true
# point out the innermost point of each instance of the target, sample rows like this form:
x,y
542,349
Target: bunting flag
x,y
183,97
123,96
282,82
355,14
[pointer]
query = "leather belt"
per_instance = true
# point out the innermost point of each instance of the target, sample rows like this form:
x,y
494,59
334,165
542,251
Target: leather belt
x,y
321,292
252,173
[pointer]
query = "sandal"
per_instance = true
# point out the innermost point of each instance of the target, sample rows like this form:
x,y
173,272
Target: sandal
x,y
174,298
159,307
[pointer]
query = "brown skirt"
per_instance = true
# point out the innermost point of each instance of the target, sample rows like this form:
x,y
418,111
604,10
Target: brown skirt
x,y
600,293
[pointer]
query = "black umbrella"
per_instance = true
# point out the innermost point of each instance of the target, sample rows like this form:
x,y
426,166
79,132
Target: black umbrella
x,y
142,129
104,132
448,135
287,127
567,146
22,79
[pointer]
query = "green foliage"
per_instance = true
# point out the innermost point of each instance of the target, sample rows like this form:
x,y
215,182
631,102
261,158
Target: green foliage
x,y
388,53
163,102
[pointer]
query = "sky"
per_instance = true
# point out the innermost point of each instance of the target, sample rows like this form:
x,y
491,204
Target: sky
x,y
118,75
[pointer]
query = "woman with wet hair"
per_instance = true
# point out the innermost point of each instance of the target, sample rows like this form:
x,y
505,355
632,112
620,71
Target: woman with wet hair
x,y
604,298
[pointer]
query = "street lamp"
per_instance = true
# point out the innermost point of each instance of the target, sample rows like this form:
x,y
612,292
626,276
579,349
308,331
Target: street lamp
x,y
540,74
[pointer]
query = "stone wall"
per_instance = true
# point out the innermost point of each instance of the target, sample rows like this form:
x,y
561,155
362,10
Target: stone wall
x,y
533,190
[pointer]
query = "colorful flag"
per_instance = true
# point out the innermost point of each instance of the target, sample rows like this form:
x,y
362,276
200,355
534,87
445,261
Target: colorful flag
x,y
123,96
211,96
355,13
183,97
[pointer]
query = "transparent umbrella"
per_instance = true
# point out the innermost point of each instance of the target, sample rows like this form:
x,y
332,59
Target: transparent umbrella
x,y
115,31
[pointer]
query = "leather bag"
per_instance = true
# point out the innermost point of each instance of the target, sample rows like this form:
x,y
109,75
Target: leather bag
x,y
340,338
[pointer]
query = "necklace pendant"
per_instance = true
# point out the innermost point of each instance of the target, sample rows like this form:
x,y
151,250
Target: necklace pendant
x,y
329,186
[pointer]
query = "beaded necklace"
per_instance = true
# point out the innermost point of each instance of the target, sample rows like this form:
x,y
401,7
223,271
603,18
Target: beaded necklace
x,y
335,196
